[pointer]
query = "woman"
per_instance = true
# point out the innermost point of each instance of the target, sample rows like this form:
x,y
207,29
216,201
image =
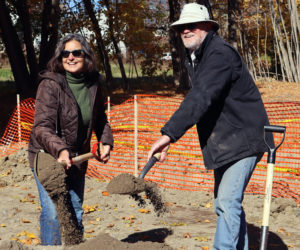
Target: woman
x,y
68,107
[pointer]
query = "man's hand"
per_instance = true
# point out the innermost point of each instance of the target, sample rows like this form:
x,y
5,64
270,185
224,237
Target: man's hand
x,y
64,158
161,145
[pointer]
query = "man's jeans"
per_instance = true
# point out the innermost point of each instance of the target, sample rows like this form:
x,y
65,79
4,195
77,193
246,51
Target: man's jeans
x,y
230,183
49,225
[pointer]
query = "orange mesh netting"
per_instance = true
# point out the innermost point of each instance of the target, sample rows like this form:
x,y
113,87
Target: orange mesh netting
x,y
184,167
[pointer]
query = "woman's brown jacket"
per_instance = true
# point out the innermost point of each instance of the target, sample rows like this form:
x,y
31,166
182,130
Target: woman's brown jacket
x,y
56,119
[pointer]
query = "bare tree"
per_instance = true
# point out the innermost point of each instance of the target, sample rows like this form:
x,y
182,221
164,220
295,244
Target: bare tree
x,y
101,47
287,49
14,51
233,11
23,12
49,34
115,43
177,49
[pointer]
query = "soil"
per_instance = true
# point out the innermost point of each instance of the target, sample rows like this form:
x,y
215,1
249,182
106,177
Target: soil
x,y
118,221
52,176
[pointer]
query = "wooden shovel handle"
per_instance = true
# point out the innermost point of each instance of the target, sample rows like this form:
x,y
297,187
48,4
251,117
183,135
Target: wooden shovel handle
x,y
84,157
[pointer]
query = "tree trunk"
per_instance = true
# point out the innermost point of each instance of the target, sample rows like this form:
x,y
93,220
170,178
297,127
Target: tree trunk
x,y
233,9
115,44
23,12
101,47
14,52
49,34
295,26
180,73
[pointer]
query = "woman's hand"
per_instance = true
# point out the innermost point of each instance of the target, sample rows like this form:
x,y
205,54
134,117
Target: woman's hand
x,y
64,158
103,153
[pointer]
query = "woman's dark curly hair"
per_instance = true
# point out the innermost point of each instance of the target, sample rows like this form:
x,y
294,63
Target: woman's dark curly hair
x,y
55,63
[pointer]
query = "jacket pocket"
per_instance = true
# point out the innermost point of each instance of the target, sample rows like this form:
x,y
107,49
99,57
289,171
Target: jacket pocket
x,y
227,141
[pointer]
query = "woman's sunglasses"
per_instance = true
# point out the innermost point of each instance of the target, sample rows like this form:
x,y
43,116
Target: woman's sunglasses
x,y
75,53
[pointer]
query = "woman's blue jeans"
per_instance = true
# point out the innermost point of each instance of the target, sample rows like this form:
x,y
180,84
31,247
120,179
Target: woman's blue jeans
x,y
49,224
230,184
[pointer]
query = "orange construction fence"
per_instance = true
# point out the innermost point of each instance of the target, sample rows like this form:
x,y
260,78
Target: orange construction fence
x,y
136,124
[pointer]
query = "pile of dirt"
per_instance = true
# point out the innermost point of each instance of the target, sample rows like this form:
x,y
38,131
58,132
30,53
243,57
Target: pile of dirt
x,y
130,185
15,168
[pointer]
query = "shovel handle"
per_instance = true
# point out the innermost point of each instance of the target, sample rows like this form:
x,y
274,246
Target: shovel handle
x,y
277,129
84,157
269,184
272,151
149,165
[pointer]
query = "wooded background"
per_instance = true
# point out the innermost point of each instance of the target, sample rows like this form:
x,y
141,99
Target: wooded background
x,y
266,33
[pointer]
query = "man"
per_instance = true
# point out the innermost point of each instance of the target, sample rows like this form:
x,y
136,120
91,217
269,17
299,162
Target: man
x,y
227,108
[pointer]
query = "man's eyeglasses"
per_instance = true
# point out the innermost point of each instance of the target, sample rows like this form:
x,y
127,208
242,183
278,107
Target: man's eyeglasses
x,y
189,26
75,53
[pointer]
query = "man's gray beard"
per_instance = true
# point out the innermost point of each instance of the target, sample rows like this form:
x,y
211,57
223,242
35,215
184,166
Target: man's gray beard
x,y
193,46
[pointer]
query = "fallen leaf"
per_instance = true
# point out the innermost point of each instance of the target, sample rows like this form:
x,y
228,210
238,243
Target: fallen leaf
x,y
88,209
201,239
208,205
25,221
146,211
2,225
111,225
187,235
30,235
177,224
90,231
205,248
30,195
105,193
207,221
88,236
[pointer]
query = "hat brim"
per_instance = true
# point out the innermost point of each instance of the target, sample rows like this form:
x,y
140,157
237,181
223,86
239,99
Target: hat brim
x,y
183,21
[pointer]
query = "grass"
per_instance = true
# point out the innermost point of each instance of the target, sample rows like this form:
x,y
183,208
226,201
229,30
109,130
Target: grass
x,y
166,70
6,74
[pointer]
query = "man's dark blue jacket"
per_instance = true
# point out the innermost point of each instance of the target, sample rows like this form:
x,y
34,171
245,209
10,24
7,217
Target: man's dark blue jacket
x,y
225,104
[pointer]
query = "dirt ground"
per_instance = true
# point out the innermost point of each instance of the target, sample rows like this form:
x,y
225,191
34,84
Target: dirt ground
x,y
118,222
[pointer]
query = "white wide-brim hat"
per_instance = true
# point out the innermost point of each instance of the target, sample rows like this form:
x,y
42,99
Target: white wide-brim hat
x,y
194,13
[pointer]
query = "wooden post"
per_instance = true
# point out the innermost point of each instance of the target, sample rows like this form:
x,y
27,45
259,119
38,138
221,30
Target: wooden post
x,y
135,137
19,119
108,108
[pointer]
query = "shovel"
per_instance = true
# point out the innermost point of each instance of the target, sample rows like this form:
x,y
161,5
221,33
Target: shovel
x,y
75,160
129,184
269,182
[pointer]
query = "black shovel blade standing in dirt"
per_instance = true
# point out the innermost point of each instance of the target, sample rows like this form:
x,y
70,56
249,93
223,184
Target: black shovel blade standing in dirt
x,y
269,182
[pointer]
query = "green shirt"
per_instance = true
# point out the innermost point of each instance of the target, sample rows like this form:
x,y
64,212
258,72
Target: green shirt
x,y
80,89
